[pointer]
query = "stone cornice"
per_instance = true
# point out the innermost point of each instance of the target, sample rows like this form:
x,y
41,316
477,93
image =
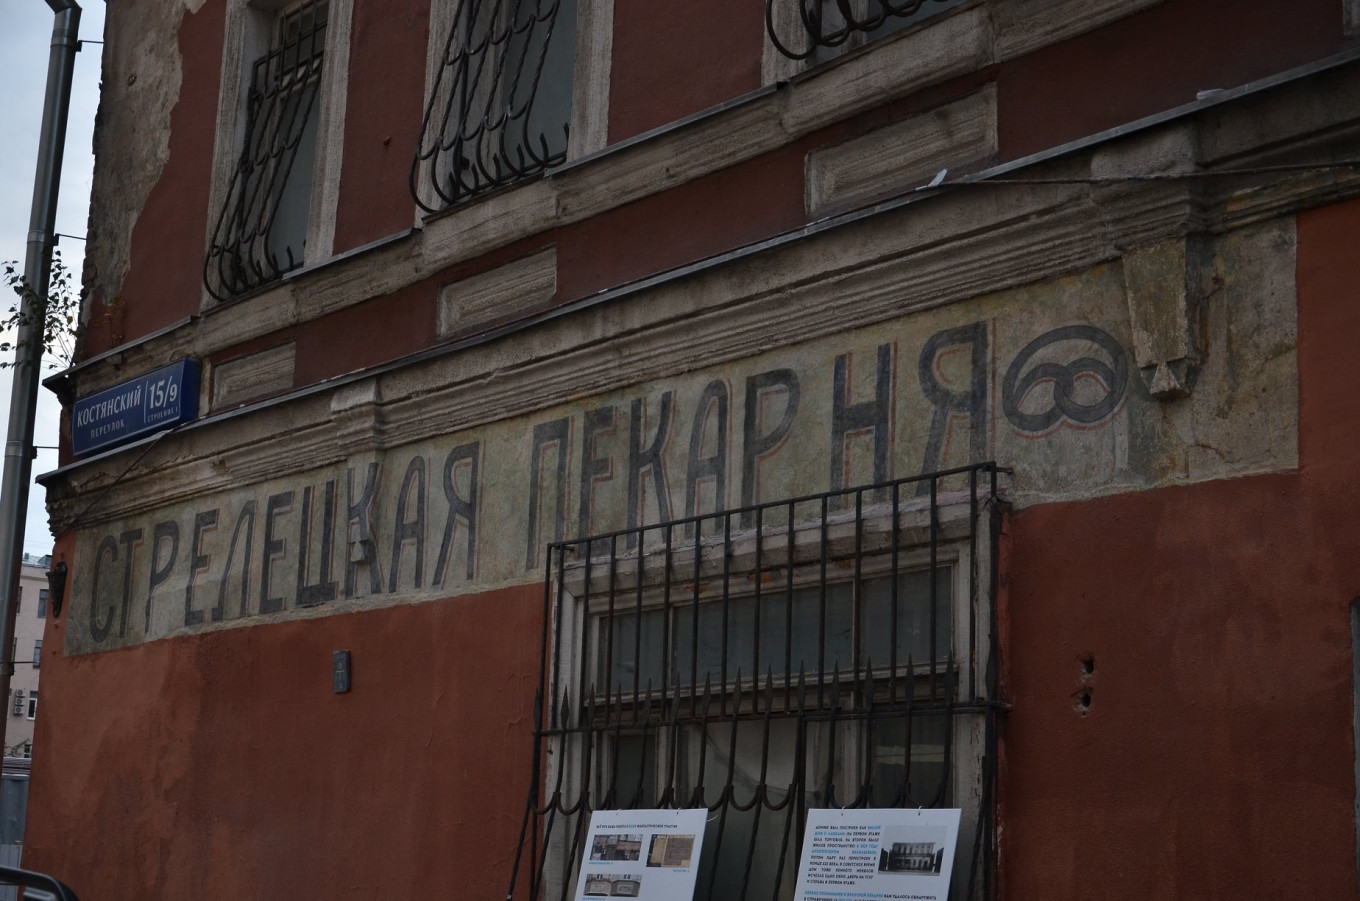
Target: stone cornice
x,y
878,264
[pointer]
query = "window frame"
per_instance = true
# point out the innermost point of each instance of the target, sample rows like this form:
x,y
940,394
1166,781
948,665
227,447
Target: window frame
x,y
32,701
250,27
588,119
963,534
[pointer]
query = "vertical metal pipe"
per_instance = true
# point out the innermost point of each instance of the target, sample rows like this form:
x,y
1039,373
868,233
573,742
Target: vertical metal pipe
x,y
1355,716
42,220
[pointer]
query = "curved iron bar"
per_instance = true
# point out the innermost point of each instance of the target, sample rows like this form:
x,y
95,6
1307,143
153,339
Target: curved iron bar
x,y
476,133
834,713
816,32
39,885
281,102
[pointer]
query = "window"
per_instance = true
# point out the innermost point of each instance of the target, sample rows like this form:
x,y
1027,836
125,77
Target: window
x,y
42,603
816,31
37,653
500,102
263,225
831,651
33,704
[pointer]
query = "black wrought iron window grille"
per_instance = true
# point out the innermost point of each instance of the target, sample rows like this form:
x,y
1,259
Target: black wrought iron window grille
x,y
261,230
818,30
500,101
835,650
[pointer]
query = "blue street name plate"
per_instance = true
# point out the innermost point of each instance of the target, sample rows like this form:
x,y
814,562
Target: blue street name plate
x,y
158,400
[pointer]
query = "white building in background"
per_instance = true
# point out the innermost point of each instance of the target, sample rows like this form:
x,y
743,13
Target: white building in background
x,y
26,653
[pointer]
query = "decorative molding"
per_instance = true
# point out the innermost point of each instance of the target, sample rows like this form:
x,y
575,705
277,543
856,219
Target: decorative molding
x,y
1315,112
1165,296
927,253
503,294
253,376
330,133
590,85
960,136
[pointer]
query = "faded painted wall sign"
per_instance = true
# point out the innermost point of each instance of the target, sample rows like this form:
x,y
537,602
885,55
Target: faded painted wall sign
x,y
1039,379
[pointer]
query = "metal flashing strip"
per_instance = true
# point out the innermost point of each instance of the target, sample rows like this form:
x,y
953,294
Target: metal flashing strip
x,y
56,378
775,242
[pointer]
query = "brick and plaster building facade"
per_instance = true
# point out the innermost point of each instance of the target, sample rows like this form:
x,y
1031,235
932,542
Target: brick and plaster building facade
x,y
973,374
27,654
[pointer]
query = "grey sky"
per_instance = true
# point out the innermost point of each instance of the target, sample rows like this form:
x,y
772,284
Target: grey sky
x,y
25,36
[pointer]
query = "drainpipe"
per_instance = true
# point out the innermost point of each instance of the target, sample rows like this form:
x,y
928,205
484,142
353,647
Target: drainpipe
x,y
23,404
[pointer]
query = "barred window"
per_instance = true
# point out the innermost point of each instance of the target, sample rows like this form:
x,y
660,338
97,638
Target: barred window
x,y
261,229
500,102
820,30
829,651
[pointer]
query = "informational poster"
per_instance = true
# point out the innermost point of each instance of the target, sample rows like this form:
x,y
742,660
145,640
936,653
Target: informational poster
x,y
878,855
647,854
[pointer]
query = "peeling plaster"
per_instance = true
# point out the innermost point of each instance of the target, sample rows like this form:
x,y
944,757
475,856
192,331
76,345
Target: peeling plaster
x,y
142,75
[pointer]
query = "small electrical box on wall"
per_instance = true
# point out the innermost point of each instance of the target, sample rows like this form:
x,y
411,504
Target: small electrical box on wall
x,y
340,672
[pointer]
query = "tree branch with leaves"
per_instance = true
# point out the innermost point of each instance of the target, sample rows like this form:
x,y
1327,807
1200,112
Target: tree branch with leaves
x,y
58,319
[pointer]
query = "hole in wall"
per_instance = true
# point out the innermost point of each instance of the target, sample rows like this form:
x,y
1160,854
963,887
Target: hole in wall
x,y
1088,665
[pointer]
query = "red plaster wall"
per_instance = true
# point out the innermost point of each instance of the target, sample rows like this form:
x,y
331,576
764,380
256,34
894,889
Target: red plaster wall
x,y
1155,60
674,59
223,766
368,334
382,120
708,216
1216,759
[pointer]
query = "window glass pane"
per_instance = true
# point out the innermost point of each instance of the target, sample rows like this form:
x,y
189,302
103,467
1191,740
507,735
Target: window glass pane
x,y
621,660
791,631
634,778
915,779
548,102
913,609
897,23
739,634
42,603
288,232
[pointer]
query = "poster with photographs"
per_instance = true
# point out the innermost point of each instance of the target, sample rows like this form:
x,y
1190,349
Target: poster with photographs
x,y
878,855
648,854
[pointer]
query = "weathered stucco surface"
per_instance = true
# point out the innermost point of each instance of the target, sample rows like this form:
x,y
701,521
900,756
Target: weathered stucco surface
x,y
1040,379
141,84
